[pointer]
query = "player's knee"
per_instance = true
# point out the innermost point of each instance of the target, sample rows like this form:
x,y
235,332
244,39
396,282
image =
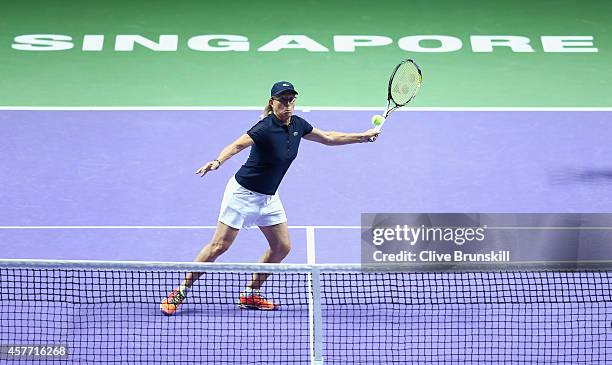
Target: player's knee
x,y
282,248
219,246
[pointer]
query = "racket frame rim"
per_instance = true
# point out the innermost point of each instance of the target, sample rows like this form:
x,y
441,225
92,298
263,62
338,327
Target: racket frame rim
x,y
390,97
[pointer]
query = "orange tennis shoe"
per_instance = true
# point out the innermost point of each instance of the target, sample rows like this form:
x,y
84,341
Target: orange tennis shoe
x,y
256,301
169,305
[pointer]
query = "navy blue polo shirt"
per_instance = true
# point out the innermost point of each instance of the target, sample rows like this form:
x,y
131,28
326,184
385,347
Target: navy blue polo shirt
x,y
276,146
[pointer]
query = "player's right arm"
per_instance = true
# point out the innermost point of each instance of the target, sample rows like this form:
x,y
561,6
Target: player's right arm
x,y
230,150
331,138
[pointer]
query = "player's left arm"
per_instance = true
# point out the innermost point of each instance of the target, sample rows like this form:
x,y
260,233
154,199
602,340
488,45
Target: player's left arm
x,y
331,138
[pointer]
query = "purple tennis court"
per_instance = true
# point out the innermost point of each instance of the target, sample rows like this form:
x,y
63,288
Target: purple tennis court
x,y
121,185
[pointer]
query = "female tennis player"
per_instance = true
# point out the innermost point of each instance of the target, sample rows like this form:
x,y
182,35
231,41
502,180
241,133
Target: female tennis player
x,y
251,197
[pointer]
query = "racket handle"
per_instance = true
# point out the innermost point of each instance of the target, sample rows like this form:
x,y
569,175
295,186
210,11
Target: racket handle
x,y
377,128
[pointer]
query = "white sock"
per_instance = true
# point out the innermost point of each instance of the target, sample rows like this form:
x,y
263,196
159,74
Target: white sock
x,y
184,289
250,291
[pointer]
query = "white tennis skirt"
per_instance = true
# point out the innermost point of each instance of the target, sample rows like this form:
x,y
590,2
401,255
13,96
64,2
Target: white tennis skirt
x,y
243,208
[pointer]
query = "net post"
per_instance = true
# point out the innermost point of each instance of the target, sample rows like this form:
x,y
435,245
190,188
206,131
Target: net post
x,y
316,320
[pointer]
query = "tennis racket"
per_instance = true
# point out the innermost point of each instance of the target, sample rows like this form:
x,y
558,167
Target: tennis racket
x,y
404,83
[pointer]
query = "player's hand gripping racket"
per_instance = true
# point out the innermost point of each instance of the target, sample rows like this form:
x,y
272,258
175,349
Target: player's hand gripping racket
x,y
404,83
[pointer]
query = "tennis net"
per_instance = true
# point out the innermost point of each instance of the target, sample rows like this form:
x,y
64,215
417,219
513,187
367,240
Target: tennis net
x,y
108,312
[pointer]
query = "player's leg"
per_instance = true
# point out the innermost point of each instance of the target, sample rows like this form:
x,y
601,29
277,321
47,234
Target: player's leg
x,y
222,239
279,247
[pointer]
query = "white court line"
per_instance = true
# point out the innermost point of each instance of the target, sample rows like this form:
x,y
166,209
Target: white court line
x,y
309,108
553,228
314,301
160,227
105,227
310,246
310,230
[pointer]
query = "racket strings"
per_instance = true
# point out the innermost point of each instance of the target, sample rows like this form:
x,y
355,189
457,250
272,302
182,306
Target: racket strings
x,y
405,83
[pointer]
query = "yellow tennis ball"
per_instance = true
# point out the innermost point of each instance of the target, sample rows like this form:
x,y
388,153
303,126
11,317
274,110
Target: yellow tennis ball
x,y
377,120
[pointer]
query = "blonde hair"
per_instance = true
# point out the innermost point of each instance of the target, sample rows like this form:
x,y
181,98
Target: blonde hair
x,y
267,110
